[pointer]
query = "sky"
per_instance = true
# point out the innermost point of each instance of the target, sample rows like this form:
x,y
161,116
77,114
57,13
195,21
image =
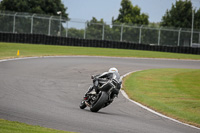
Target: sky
x,y
106,9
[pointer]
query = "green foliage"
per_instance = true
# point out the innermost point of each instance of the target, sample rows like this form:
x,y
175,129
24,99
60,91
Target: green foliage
x,y
197,19
94,29
75,33
131,14
23,22
180,15
50,7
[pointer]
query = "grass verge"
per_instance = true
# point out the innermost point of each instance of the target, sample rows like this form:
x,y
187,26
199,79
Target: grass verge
x,y
16,127
9,50
173,92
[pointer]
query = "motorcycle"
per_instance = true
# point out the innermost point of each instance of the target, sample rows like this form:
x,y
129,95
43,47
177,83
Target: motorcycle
x,y
104,95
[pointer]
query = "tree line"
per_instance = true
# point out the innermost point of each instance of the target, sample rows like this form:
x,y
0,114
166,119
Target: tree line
x,y
179,16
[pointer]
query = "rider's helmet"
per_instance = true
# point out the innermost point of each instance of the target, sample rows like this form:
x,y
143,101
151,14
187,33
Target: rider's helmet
x,y
115,73
113,70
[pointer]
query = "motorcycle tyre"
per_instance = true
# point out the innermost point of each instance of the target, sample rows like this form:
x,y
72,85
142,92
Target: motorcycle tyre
x,y
99,104
82,105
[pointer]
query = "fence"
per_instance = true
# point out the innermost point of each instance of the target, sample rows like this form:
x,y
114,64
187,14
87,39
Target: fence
x,y
66,41
11,22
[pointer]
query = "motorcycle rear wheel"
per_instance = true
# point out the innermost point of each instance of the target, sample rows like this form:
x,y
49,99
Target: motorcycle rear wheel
x,y
100,102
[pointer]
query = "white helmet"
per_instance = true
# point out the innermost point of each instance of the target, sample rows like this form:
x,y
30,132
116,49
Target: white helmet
x,y
113,69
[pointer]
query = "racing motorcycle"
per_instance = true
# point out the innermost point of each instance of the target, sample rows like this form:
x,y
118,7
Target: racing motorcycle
x,y
104,95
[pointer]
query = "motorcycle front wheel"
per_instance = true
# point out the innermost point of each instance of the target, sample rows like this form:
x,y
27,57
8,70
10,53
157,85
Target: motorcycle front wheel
x,y
82,104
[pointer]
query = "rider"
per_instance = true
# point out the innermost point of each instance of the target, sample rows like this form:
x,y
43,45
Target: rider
x,y
104,79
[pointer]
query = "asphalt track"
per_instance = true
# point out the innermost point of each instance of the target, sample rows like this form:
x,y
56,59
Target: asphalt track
x,y
47,92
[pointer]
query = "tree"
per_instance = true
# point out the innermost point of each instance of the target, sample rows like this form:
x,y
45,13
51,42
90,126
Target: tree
x,y
50,7
75,33
36,7
131,14
94,29
180,15
197,19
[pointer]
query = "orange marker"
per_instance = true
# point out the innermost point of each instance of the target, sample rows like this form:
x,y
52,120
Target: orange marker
x,y
18,53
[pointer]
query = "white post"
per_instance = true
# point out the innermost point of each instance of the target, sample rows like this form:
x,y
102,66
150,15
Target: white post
x,y
49,32
103,32
199,37
179,34
60,23
32,23
122,27
67,29
192,28
85,29
14,23
60,13
140,36
159,36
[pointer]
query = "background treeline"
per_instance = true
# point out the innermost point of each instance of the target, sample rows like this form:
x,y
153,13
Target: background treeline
x,y
131,25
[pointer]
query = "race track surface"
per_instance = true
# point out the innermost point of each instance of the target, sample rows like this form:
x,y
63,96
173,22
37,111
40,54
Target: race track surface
x,y
47,92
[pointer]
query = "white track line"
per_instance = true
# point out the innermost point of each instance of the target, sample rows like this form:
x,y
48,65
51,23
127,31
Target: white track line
x,y
97,57
19,59
150,110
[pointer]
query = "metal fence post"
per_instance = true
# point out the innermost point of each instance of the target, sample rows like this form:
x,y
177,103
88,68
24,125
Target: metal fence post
x,y
199,37
14,23
49,32
140,36
67,29
122,28
103,31
192,34
32,23
192,28
85,29
159,36
60,24
179,34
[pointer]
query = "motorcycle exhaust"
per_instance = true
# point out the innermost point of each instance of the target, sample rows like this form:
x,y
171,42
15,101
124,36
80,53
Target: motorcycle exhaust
x,y
87,104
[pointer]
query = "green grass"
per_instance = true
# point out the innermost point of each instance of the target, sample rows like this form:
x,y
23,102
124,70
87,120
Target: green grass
x,y
173,92
16,127
9,50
